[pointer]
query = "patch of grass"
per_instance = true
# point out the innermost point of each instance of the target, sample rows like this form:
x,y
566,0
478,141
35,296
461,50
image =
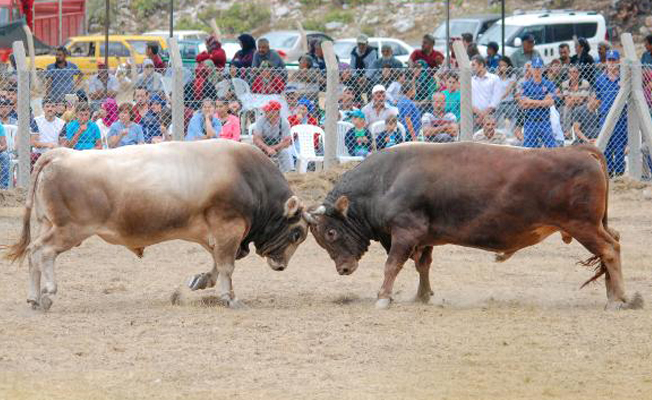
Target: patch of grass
x,y
240,17
186,23
315,25
344,16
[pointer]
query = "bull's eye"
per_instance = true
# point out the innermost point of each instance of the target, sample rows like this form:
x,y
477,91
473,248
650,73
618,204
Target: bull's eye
x,y
295,236
331,234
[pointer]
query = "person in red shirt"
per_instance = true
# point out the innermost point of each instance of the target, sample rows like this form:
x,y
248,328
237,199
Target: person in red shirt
x,y
427,53
213,52
268,80
152,53
141,98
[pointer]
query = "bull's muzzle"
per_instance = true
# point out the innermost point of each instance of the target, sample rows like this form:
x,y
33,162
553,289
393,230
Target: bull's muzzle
x,y
276,265
346,267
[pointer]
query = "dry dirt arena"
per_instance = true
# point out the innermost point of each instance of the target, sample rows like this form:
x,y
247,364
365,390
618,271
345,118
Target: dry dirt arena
x,y
517,330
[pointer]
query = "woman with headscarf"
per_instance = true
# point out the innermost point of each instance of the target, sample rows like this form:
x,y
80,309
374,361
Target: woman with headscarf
x,y
584,60
213,52
244,57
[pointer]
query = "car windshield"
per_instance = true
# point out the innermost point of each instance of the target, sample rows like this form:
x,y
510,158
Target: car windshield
x,y
139,45
494,34
281,40
457,28
343,49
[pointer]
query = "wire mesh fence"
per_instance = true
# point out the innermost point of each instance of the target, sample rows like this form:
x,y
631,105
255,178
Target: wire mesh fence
x,y
282,111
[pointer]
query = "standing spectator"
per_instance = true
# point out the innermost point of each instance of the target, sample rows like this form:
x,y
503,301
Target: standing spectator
x,y
151,52
62,76
204,84
452,93
291,97
264,53
603,48
485,90
439,126
607,86
427,53
492,56
363,57
149,78
537,97
489,134
230,123
424,83
307,78
244,57
358,139
507,108
575,92
584,60
317,55
82,133
268,81
408,113
390,136
213,52
45,130
565,59
5,174
467,40
141,98
102,86
204,124
646,58
526,53
378,109
554,73
125,132
584,120
272,135
386,60
7,117
303,114
152,123
12,96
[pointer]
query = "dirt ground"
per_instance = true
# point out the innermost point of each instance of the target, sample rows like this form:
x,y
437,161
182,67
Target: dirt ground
x,y
517,330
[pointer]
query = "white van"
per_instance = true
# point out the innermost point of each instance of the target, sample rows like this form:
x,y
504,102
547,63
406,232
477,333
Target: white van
x,y
550,29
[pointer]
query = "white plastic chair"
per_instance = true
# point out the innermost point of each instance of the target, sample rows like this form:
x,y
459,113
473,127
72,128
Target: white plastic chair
x,y
10,132
343,155
306,150
377,127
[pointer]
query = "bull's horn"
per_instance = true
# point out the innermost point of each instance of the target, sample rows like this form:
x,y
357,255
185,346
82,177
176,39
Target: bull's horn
x,y
309,218
321,210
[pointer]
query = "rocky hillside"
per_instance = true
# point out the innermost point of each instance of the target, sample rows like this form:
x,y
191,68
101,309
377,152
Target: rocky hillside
x,y
399,18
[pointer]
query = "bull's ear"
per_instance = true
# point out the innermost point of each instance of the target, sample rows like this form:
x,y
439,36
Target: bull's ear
x,y
342,205
292,206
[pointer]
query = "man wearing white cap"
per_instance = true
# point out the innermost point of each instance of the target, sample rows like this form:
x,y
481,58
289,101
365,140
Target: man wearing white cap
x,y
149,78
378,109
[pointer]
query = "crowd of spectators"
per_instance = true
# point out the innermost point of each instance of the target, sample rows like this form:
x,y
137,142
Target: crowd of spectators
x,y
515,101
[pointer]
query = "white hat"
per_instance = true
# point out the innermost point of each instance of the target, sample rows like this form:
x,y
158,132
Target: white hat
x,y
378,88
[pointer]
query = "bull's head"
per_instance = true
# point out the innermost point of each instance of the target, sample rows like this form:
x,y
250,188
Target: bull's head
x,y
334,232
293,234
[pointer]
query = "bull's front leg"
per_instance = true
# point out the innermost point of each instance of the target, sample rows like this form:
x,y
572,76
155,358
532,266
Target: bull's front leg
x,y
398,255
203,280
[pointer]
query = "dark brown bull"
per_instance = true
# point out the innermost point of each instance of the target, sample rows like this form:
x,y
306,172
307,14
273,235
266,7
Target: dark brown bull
x,y
501,199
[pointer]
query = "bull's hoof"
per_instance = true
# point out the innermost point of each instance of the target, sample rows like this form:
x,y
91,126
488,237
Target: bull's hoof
x,y
615,305
383,304
33,304
201,281
236,304
423,297
46,302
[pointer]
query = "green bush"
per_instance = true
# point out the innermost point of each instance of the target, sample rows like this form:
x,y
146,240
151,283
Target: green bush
x,y
314,25
240,17
339,15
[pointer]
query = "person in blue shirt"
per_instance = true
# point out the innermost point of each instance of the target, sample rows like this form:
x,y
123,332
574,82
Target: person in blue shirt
x,y
152,121
646,58
4,159
204,124
391,135
607,86
62,76
492,57
409,113
124,131
537,96
82,133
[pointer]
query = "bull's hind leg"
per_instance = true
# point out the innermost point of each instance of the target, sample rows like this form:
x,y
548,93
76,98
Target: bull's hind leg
x,y
422,260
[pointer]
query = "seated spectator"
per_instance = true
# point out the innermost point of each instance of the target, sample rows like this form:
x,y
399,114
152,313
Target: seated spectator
x,y
378,109
492,56
149,78
107,115
386,60
264,53
151,51
439,126
152,123
586,122
317,55
306,79
5,174
472,50
291,98
203,87
272,135
62,77
575,93
244,57
82,133
427,53
230,123
303,113
424,83
268,81
391,136
45,130
408,113
8,116
235,107
554,73
485,90
396,86
213,52
141,98
347,103
603,48
489,134
452,93
102,86
358,139
12,95
203,124
124,132
507,108
225,88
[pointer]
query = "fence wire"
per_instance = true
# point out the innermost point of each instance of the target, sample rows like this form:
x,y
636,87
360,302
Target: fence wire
x,y
282,111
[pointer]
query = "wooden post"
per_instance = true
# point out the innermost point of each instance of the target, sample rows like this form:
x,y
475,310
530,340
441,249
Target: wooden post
x,y
304,37
466,105
332,113
634,156
177,89
32,57
21,141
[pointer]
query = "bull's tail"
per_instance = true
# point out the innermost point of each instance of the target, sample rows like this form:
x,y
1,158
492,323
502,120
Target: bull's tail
x,y
18,250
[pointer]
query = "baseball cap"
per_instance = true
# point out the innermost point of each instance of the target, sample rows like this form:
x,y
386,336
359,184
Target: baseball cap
x,y
378,88
528,37
272,106
357,114
362,38
148,62
613,55
156,99
537,63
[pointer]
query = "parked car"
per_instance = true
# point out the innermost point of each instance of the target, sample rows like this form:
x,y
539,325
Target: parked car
x,y
180,34
402,50
288,43
550,29
477,25
87,51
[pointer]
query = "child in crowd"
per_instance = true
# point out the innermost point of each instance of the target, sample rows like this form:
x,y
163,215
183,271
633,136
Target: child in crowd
x,y
391,136
358,139
396,88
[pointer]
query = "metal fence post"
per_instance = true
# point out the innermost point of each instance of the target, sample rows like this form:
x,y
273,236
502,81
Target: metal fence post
x,y
332,113
22,106
616,108
466,105
177,90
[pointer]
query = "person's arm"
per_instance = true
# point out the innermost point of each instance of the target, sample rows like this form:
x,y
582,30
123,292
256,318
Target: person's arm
x,y
208,124
235,127
577,128
76,135
115,135
140,134
3,144
286,137
78,76
260,143
410,128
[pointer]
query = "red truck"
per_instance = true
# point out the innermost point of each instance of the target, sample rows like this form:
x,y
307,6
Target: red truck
x,y
42,16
